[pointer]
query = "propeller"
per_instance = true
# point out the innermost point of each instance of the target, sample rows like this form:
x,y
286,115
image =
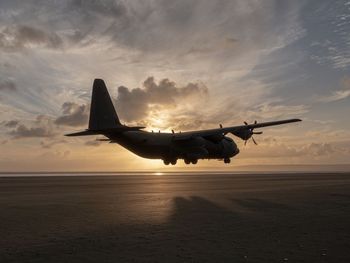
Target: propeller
x,y
251,133
224,133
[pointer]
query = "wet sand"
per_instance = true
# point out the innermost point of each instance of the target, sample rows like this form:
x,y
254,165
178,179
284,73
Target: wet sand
x,y
176,218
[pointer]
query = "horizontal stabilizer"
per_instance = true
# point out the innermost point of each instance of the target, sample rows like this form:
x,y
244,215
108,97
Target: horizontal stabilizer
x,y
111,131
82,133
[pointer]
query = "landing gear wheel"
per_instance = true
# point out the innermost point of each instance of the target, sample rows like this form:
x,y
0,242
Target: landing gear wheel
x,y
187,161
227,160
173,162
194,161
166,162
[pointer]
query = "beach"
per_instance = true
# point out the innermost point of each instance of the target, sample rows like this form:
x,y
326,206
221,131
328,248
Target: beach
x,y
175,217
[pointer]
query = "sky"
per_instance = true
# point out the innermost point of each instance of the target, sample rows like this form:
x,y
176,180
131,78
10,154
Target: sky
x,y
181,65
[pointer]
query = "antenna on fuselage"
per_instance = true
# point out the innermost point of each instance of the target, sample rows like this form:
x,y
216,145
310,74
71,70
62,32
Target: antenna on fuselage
x,y
172,131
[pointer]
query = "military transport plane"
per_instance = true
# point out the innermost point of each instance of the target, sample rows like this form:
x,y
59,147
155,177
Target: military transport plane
x,y
190,146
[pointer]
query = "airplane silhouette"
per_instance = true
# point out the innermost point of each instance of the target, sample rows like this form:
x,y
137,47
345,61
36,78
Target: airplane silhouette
x,y
189,146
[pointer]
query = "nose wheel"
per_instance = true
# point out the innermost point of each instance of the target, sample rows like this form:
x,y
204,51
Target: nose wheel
x,y
227,160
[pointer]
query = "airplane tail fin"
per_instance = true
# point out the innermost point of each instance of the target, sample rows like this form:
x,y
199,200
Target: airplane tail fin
x,y
102,113
103,117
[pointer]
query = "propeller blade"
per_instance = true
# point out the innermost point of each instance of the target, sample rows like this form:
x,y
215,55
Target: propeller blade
x,y
254,141
260,132
245,123
245,142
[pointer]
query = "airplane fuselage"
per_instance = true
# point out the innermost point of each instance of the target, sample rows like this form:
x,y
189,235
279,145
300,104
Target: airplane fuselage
x,y
189,145
164,146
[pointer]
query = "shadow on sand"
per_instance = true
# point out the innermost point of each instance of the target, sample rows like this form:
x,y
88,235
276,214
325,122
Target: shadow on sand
x,y
198,230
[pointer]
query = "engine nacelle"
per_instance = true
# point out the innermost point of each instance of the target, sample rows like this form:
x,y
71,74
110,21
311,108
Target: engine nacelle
x,y
245,134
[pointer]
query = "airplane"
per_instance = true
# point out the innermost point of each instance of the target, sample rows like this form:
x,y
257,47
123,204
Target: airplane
x,y
170,147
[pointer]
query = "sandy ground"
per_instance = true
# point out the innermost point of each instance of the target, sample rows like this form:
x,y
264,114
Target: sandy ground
x,y
176,218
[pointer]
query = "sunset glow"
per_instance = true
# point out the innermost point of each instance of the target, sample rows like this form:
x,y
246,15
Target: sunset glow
x,y
183,66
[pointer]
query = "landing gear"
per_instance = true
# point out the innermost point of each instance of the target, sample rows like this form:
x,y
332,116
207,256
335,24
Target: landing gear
x,y
194,161
167,162
227,160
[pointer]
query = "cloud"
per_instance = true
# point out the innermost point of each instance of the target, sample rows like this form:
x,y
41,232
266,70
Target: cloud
x,y
136,104
41,127
329,40
274,149
319,149
48,144
270,110
10,124
338,94
93,143
110,8
19,37
153,25
186,123
8,85
73,114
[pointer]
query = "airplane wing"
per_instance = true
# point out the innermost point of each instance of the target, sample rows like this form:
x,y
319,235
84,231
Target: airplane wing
x,y
243,131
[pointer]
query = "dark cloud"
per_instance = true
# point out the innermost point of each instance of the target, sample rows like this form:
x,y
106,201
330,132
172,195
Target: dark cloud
x,y
135,104
41,127
7,85
10,124
24,131
142,25
60,23
19,37
93,143
110,8
48,144
73,114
